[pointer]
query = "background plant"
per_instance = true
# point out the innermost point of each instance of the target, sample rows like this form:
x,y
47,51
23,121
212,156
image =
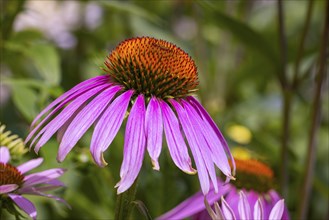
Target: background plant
x,y
258,63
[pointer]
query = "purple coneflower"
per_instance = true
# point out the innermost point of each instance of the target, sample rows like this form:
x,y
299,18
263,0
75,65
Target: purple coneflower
x,y
14,183
152,80
253,178
245,210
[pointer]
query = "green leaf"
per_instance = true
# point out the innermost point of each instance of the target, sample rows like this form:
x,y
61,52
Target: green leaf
x,y
142,209
44,57
242,32
46,61
133,10
25,99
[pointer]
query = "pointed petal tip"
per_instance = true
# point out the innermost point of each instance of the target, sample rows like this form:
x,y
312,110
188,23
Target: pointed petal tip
x,y
120,189
155,165
104,163
191,171
59,159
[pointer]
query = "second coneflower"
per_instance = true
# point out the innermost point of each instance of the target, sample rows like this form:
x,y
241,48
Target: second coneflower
x,y
254,179
152,80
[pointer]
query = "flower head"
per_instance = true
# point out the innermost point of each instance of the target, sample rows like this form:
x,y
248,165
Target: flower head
x,y
14,183
151,80
12,142
254,182
245,210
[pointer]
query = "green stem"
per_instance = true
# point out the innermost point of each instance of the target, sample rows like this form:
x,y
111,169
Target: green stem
x,y
316,111
10,10
286,121
287,98
124,203
302,42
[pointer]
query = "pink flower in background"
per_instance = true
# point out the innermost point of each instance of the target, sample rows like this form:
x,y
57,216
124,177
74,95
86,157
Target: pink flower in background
x,y
254,180
152,80
245,210
14,183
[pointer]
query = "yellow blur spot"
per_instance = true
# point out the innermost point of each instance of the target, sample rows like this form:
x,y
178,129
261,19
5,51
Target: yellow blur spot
x,y
241,153
239,133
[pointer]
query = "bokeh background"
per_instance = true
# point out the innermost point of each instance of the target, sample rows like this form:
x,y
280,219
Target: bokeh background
x,y
258,88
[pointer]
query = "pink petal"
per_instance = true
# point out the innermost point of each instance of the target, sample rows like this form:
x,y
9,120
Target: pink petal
x,y
258,210
49,185
195,139
154,130
65,115
134,146
80,86
63,100
42,177
277,210
108,126
194,204
175,140
84,119
218,153
206,117
227,211
4,155
31,164
25,204
7,188
37,192
244,207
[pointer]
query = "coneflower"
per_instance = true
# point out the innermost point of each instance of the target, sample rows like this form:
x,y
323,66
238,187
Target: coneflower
x,y
152,80
14,183
253,178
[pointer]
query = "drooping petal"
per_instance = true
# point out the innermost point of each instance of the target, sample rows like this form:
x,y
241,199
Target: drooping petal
x,y
42,177
25,204
258,210
35,191
215,215
277,210
244,207
219,211
154,130
227,211
134,146
4,155
63,100
108,126
275,197
29,165
218,153
195,204
195,139
84,119
81,86
62,117
205,115
7,188
232,198
61,131
49,185
175,140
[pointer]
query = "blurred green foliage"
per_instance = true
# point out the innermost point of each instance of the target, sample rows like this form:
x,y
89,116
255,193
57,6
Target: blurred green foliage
x,y
236,48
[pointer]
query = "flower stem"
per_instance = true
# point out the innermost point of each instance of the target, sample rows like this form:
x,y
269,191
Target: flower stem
x,y
124,203
302,42
287,98
316,111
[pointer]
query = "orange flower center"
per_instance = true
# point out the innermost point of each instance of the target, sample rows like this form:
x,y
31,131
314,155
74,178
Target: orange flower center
x,y
10,175
152,67
253,174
